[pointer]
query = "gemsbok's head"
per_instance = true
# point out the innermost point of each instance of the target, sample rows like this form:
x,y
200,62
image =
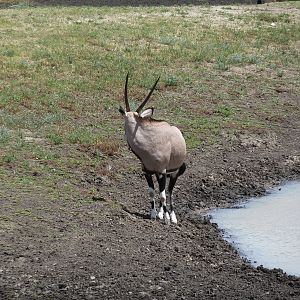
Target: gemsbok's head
x,y
161,149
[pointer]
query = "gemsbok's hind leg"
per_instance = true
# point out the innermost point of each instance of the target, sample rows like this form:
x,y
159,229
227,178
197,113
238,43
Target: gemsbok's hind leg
x,y
149,179
172,182
173,179
163,211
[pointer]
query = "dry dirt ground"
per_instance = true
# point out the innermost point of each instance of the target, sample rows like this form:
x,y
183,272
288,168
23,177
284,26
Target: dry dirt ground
x,y
108,248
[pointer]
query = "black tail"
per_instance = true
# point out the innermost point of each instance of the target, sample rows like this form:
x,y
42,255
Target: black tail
x,y
181,169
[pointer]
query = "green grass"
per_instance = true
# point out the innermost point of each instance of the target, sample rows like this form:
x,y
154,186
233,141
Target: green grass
x,y
63,69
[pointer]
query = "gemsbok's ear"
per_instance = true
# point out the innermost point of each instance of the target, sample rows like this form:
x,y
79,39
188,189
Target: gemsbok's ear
x,y
147,113
121,110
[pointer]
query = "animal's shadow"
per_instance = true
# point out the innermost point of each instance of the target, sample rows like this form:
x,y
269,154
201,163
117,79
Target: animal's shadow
x,y
137,214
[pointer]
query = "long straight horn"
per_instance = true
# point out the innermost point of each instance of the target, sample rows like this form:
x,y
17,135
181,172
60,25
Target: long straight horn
x,y
126,94
147,98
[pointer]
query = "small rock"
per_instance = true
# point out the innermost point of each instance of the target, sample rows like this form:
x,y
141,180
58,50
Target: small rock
x,y
144,294
62,286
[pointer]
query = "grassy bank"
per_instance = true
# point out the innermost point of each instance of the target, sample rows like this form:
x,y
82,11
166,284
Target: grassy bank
x,y
63,69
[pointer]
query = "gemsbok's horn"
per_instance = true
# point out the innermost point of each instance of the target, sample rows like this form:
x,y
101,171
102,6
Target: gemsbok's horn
x,y
148,97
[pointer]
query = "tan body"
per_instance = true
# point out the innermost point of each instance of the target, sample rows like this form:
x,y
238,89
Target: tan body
x,y
160,146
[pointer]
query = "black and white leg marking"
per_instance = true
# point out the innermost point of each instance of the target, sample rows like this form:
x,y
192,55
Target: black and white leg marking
x,y
149,179
163,211
173,179
161,179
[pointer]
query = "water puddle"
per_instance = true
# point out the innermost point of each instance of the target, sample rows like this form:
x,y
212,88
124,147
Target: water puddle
x,y
266,230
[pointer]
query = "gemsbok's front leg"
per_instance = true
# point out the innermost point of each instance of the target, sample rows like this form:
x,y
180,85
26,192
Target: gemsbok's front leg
x,y
149,179
163,211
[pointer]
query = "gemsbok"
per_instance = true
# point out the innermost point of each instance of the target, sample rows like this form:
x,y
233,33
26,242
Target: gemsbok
x,y
161,149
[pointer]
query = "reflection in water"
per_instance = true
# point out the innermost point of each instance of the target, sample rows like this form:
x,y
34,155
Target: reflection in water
x,y
266,230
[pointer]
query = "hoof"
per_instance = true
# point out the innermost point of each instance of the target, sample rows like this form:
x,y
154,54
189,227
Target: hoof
x,y
161,213
167,218
173,217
